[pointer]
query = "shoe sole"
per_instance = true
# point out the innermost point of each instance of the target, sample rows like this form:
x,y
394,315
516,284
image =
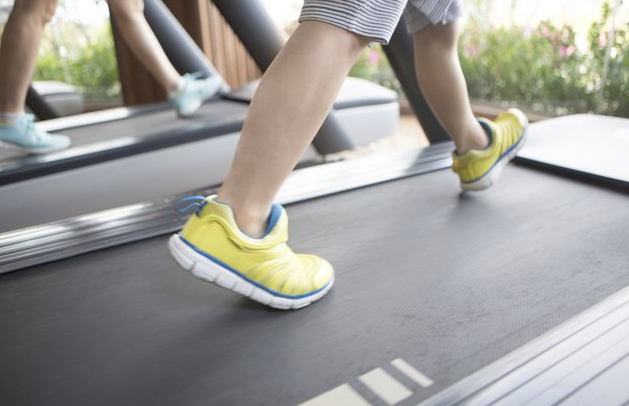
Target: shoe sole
x,y
209,271
190,110
40,151
492,176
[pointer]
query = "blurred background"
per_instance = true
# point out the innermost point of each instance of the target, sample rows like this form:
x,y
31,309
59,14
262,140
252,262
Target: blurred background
x,y
547,57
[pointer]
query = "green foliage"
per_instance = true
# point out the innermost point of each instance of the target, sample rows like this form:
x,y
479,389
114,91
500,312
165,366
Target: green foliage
x,y
615,90
92,68
544,69
373,65
541,69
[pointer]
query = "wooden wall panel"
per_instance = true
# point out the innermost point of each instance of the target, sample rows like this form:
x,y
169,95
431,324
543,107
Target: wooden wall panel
x,y
138,86
224,49
212,34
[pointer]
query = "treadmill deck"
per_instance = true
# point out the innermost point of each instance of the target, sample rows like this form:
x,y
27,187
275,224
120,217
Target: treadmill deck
x,y
448,282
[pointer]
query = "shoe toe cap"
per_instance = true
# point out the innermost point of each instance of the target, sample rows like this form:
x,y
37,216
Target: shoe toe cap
x,y
320,270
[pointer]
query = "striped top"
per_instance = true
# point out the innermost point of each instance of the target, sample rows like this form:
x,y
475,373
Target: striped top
x,y
435,10
370,18
375,19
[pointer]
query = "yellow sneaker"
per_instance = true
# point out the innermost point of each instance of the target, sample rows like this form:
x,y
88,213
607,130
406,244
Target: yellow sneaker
x,y
478,169
212,248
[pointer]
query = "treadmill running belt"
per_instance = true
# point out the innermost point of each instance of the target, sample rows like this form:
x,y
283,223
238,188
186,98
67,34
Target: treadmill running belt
x,y
447,282
107,141
155,121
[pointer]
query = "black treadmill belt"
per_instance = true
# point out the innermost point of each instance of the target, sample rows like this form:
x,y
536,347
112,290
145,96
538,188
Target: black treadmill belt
x,y
159,121
447,282
145,132
155,121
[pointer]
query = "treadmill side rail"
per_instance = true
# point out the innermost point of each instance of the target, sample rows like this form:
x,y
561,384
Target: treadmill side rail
x,y
54,241
557,366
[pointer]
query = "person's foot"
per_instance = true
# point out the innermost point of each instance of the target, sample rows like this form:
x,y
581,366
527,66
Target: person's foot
x,y
22,134
193,93
478,169
212,248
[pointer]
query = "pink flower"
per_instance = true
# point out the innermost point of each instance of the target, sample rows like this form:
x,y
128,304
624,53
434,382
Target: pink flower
x,y
571,49
563,51
373,57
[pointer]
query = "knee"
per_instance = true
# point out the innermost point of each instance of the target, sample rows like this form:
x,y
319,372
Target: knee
x,y
126,10
348,44
437,38
359,44
40,10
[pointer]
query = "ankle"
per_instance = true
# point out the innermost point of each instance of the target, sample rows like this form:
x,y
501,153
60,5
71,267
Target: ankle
x,y
477,138
178,87
9,118
251,220
252,224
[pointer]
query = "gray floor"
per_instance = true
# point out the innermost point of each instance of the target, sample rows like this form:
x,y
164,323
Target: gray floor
x,y
447,282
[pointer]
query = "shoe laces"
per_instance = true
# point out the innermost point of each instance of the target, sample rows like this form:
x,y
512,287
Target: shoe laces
x,y
190,202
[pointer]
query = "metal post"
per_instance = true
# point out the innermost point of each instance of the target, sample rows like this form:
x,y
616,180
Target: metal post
x,y
180,48
255,29
400,55
40,107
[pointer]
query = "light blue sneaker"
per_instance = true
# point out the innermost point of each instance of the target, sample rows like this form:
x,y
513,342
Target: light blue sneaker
x,y
194,93
23,134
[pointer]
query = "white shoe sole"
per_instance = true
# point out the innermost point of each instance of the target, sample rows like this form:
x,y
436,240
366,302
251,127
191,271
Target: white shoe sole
x,y
209,271
192,108
491,177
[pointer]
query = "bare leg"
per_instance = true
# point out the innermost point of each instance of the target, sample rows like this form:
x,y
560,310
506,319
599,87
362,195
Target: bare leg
x,y
443,84
129,15
289,106
18,50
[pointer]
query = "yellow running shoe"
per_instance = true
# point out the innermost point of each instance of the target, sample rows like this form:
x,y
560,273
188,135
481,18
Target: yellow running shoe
x,y
478,169
212,248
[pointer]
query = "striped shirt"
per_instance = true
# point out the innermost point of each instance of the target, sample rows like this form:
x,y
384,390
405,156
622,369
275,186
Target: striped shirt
x,y
375,19
435,10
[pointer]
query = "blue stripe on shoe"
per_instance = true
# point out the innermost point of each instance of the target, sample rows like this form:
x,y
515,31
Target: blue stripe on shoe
x,y
501,156
257,284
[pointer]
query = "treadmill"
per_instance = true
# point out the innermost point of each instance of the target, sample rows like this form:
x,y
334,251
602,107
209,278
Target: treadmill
x,y
515,296
118,154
